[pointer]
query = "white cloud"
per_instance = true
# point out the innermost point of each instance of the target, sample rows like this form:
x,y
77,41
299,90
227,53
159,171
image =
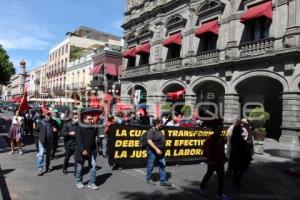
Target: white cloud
x,y
20,29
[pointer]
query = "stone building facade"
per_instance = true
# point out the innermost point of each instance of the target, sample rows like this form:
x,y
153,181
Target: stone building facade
x,y
225,52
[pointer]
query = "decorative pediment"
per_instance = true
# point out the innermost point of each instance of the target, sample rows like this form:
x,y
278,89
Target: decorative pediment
x,y
175,22
131,37
145,33
210,7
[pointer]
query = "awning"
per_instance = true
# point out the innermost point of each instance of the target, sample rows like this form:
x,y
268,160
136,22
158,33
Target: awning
x,y
173,39
144,48
176,95
130,53
209,27
111,69
96,70
262,10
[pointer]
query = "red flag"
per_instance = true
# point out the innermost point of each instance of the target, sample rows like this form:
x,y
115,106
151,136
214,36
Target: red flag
x,y
24,103
44,108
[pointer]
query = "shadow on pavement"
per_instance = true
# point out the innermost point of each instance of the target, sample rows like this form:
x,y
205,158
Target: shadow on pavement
x,y
3,186
263,181
7,171
101,179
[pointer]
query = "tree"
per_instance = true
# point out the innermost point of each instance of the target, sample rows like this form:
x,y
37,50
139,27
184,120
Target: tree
x,y
6,67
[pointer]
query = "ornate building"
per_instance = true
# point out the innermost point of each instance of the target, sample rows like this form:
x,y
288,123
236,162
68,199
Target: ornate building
x,y
70,49
225,52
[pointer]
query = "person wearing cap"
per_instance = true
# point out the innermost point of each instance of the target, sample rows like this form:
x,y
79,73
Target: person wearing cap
x,y
45,127
156,143
57,127
69,132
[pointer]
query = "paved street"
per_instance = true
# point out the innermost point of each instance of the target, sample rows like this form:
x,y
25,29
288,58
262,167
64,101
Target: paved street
x,y
265,179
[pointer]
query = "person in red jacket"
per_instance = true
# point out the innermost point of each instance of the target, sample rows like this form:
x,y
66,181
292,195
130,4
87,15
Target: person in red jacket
x,y
214,151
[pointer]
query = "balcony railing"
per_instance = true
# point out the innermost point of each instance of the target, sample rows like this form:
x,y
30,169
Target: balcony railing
x,y
139,70
208,56
97,83
143,65
257,47
174,63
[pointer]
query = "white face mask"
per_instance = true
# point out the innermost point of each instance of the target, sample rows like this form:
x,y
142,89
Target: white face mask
x,y
75,120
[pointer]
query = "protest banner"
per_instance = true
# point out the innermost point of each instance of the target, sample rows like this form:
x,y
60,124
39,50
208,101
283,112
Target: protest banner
x,y
182,144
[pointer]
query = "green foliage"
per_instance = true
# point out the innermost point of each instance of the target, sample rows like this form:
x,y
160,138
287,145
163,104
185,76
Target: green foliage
x,y
166,107
258,118
76,52
6,67
186,110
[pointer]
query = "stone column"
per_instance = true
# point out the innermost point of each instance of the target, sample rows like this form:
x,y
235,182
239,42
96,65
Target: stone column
x,y
231,108
290,117
156,54
292,34
231,48
189,35
22,76
154,102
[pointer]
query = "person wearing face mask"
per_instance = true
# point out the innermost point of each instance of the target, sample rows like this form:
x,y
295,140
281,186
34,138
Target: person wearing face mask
x,y
68,132
45,128
86,149
156,143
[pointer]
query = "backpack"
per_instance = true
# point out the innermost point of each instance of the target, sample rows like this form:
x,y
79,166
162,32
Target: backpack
x,y
143,140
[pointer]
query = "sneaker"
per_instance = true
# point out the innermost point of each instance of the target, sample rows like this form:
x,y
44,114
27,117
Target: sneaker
x,y
93,186
222,197
150,182
79,185
40,172
20,152
11,153
166,183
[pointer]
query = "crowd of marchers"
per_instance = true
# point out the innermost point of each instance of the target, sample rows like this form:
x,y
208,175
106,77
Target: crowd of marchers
x,y
86,138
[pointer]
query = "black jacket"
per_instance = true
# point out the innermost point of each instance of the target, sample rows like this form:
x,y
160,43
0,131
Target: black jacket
x,y
45,129
85,140
70,141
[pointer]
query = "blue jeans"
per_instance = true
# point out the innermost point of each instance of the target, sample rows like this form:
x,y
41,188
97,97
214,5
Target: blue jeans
x,y
151,157
92,166
40,160
103,145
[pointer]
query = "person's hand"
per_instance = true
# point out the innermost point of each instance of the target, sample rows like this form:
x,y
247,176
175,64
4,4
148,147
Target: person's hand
x,y
54,129
85,153
159,152
72,133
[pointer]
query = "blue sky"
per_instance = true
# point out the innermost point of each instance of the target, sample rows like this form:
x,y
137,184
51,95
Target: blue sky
x,y
29,28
